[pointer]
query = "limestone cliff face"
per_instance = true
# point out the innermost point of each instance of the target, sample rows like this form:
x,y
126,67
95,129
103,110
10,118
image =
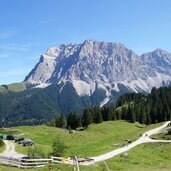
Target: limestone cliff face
x,y
94,64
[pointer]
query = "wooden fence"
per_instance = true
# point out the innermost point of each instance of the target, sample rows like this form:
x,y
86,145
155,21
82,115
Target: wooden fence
x,y
35,163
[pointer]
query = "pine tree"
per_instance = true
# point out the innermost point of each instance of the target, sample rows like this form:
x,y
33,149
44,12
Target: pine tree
x,y
142,116
132,116
106,113
86,118
73,120
60,121
119,114
148,120
112,110
168,116
124,111
69,120
129,113
97,115
160,117
153,113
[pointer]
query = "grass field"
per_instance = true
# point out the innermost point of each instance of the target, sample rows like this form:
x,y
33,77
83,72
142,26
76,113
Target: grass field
x,y
161,136
8,131
95,140
145,157
98,139
151,156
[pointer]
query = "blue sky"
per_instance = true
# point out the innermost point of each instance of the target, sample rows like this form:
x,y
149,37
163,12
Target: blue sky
x,y
29,27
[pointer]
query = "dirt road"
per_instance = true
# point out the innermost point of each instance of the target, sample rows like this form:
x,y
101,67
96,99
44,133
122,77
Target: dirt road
x,y
143,139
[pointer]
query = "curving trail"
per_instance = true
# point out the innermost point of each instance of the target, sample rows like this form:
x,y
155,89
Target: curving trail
x,y
10,150
143,139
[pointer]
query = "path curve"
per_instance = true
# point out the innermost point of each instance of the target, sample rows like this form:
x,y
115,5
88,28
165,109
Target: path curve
x,y
10,150
143,139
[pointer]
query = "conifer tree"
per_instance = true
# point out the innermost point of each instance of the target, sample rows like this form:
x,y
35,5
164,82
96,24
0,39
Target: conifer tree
x,y
106,113
73,120
148,119
86,118
142,116
60,121
132,115
129,111
97,115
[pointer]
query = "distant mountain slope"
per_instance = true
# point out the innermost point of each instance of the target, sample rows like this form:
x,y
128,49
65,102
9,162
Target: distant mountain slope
x,y
37,105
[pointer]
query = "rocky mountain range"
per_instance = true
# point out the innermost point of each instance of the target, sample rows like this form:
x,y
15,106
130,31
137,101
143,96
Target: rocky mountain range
x,y
101,65
75,76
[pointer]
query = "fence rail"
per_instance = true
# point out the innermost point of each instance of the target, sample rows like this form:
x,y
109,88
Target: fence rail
x,y
35,163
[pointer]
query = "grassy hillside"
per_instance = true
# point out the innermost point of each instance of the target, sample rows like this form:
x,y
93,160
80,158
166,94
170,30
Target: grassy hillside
x,y
34,106
145,157
15,87
98,139
93,141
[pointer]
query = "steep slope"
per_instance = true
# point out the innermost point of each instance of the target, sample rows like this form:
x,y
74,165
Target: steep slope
x,y
38,106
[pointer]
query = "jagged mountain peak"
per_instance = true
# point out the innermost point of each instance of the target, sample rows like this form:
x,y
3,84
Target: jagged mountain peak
x,y
90,43
160,51
159,56
94,64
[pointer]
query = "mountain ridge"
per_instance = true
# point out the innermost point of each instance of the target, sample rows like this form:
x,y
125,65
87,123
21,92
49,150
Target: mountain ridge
x,y
94,64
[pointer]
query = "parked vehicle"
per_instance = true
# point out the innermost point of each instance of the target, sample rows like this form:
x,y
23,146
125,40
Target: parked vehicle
x,y
27,142
19,139
11,137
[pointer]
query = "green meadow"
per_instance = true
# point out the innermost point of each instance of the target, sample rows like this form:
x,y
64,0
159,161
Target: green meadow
x,y
95,140
98,139
145,157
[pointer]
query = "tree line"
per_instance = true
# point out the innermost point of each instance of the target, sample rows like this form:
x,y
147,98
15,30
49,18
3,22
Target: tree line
x,y
134,107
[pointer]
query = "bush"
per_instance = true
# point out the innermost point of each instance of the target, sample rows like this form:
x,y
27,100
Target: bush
x,y
35,152
1,142
58,147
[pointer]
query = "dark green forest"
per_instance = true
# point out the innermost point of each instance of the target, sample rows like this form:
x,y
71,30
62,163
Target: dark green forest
x,y
133,107
21,105
34,106
152,108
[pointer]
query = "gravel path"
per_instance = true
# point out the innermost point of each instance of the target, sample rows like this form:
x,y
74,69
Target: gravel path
x,y
143,139
10,150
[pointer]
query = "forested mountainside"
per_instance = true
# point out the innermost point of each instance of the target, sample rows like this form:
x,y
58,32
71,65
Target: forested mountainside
x,y
133,107
151,108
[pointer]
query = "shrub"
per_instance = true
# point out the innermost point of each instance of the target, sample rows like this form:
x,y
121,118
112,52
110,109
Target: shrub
x,y
58,147
1,142
35,152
